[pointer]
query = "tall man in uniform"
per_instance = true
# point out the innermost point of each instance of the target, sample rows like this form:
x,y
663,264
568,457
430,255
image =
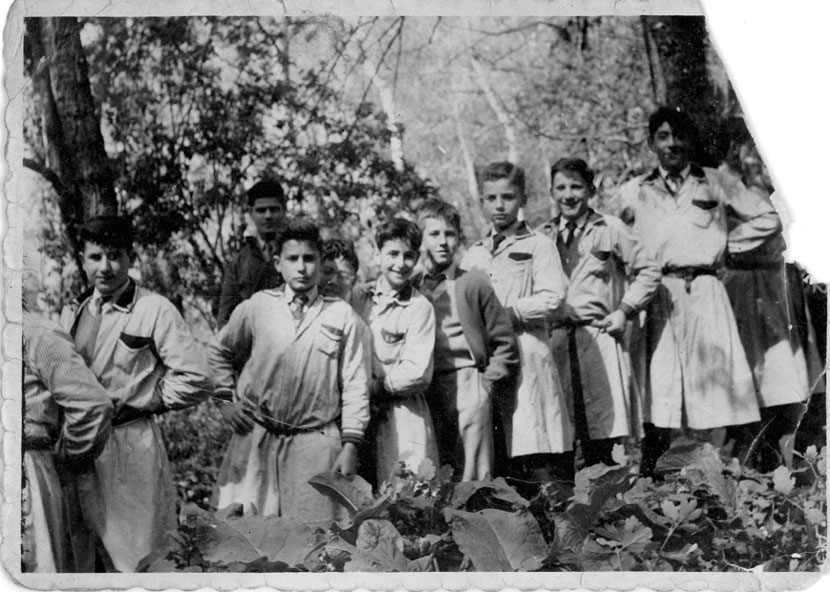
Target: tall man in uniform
x,y
698,376
253,269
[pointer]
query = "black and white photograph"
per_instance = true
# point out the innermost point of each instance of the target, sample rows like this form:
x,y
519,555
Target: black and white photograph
x,y
400,296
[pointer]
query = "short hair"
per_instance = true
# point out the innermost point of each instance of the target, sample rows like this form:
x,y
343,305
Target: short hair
x,y
115,232
303,230
680,122
399,229
335,248
514,174
266,189
436,208
573,165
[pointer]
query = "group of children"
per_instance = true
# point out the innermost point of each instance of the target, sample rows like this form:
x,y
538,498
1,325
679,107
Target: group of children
x,y
587,329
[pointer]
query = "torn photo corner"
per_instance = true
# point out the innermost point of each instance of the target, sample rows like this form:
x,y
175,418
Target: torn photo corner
x,y
169,113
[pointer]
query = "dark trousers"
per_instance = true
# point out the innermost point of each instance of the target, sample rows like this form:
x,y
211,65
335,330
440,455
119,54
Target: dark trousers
x,y
528,472
656,441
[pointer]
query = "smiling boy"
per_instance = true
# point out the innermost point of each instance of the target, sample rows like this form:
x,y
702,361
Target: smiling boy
x,y
402,324
527,276
300,405
611,279
142,352
476,355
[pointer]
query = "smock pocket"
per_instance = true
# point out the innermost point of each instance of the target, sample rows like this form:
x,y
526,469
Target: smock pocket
x,y
703,212
329,339
134,353
520,264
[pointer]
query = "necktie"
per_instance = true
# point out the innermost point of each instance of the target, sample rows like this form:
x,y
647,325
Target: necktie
x,y
497,240
570,227
297,305
673,182
268,250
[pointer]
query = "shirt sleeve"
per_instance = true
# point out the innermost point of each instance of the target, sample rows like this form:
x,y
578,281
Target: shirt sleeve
x,y
412,372
232,342
643,270
504,350
549,285
751,216
355,369
186,379
87,409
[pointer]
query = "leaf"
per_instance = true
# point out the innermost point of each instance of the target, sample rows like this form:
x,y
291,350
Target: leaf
x,y
814,516
353,493
462,492
426,470
572,526
382,540
702,466
618,454
496,540
782,481
248,538
811,453
669,510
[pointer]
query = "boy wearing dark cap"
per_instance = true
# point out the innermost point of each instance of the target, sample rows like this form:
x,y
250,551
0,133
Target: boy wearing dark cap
x,y
253,269
142,352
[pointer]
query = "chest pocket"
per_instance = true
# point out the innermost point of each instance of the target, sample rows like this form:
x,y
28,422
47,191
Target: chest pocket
x,y
703,212
329,340
519,265
135,353
388,347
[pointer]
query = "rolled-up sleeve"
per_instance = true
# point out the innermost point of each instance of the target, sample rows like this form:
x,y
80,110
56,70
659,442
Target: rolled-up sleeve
x,y
186,379
232,343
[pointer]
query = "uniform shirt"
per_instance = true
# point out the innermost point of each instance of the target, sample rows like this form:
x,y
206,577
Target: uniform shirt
x,y
402,324
62,398
606,254
301,376
690,228
145,355
526,274
452,350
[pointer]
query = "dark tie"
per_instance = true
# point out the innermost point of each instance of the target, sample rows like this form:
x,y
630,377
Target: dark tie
x,y
571,228
673,182
497,240
298,305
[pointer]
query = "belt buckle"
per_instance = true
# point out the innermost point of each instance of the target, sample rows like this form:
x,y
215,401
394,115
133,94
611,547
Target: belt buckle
x,y
689,276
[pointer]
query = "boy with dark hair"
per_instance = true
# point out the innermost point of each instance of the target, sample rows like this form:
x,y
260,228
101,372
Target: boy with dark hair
x,y
527,276
599,255
142,352
253,269
300,404
476,355
698,376
402,325
339,266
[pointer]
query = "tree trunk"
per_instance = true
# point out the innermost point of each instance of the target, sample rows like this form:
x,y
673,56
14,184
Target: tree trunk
x,y
72,129
681,44
499,110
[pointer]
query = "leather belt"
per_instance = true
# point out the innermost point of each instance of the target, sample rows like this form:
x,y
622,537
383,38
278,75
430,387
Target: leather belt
x,y
127,414
688,273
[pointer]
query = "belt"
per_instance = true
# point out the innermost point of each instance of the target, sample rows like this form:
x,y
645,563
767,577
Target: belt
x,y
127,414
280,429
37,444
572,324
688,273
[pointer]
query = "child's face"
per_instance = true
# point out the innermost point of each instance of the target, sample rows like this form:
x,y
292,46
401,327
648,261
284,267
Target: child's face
x,y
337,277
299,265
397,260
106,268
439,243
570,192
501,201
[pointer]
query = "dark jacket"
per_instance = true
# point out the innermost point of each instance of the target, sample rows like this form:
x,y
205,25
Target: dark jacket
x,y
245,275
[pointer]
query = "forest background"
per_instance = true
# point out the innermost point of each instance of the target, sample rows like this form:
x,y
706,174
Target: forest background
x,y
361,118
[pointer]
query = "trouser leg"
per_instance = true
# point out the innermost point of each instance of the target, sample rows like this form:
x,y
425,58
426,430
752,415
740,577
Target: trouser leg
x,y
656,441
598,451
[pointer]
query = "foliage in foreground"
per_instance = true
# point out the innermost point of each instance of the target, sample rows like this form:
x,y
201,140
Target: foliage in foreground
x,y
703,516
